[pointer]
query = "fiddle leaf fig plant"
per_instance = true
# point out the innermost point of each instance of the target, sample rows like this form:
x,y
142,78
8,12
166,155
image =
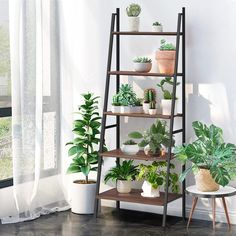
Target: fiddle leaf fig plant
x,y
209,151
84,147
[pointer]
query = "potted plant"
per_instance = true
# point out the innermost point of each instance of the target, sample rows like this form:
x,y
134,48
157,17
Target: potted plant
x,y
154,177
153,138
133,11
130,147
157,27
142,64
152,108
149,96
83,150
167,97
123,174
166,57
115,108
138,107
212,160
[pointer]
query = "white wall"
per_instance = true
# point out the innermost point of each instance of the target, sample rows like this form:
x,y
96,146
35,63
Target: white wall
x,y
211,33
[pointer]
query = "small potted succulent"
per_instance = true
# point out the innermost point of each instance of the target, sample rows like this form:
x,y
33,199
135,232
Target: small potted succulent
x,y
133,11
167,97
149,96
154,177
154,138
212,160
123,174
157,27
115,108
138,107
166,57
130,147
142,64
152,108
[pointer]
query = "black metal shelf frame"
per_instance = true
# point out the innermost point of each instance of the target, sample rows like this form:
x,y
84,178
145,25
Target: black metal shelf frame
x,y
115,32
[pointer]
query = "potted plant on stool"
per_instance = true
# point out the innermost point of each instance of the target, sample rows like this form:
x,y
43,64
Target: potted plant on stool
x,y
85,155
212,160
123,174
142,64
133,11
149,96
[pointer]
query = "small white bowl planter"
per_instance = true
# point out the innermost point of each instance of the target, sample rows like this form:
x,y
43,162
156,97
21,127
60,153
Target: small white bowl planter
x,y
152,111
146,107
134,22
142,67
166,107
149,191
115,109
157,28
130,149
125,109
123,186
83,197
136,109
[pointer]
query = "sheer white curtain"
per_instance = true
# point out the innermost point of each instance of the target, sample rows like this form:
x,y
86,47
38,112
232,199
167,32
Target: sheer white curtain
x,y
39,117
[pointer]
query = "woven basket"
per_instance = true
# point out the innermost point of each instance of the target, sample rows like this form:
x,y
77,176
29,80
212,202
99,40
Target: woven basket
x,y
205,182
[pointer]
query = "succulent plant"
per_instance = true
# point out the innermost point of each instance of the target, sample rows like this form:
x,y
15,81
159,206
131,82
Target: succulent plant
x,y
127,96
115,100
152,105
130,142
138,102
149,95
133,10
166,46
157,24
142,60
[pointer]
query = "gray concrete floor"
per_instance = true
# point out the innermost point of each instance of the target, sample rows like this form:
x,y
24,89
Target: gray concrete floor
x,y
109,223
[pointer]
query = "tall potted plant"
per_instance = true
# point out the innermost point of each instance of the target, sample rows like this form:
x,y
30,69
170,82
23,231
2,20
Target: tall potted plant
x,y
84,153
133,11
212,160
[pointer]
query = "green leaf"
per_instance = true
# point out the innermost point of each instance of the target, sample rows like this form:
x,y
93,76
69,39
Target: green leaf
x,y
72,151
86,169
220,175
73,168
135,135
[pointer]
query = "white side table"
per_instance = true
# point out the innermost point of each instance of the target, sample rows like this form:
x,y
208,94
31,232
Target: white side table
x,y
221,193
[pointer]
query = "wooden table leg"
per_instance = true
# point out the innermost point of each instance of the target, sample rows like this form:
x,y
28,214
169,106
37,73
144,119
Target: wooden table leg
x,y
192,210
214,212
226,212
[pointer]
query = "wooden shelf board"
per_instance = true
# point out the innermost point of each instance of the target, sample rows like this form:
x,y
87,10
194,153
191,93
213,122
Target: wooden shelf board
x,y
139,156
135,197
160,116
134,73
146,33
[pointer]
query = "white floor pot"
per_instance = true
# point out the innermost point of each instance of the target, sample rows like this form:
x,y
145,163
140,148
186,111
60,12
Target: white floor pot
x,y
166,107
83,197
149,191
130,149
133,23
115,109
146,108
125,109
123,186
142,67
136,109
157,28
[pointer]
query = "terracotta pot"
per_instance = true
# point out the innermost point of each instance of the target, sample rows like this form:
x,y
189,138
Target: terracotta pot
x,y
166,61
205,182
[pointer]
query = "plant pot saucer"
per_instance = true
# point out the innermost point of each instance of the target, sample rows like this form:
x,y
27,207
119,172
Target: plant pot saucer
x,y
143,195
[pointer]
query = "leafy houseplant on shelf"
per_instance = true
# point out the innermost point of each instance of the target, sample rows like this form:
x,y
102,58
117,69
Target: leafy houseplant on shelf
x,y
133,11
212,160
83,150
154,177
142,64
153,138
149,96
166,57
130,147
167,96
115,108
157,27
123,174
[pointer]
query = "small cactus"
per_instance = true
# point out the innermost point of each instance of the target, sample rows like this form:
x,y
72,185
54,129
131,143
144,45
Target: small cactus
x,y
149,95
152,105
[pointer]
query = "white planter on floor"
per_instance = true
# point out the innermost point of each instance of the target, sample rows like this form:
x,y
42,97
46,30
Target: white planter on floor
x,y
166,107
142,67
133,22
115,109
146,108
157,28
125,109
136,109
123,186
130,149
149,191
83,197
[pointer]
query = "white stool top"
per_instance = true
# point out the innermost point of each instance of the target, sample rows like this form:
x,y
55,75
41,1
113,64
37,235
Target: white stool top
x,y
222,192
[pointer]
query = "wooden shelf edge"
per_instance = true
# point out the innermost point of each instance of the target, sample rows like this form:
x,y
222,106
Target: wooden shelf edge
x,y
146,33
134,73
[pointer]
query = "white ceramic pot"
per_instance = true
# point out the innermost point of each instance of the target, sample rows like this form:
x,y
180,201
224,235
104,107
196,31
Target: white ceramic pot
x,y
123,186
152,111
130,149
133,22
115,109
136,109
149,191
146,108
83,197
125,109
157,28
166,107
142,67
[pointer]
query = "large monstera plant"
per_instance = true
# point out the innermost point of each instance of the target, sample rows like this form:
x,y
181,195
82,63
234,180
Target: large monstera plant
x,y
84,147
209,151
